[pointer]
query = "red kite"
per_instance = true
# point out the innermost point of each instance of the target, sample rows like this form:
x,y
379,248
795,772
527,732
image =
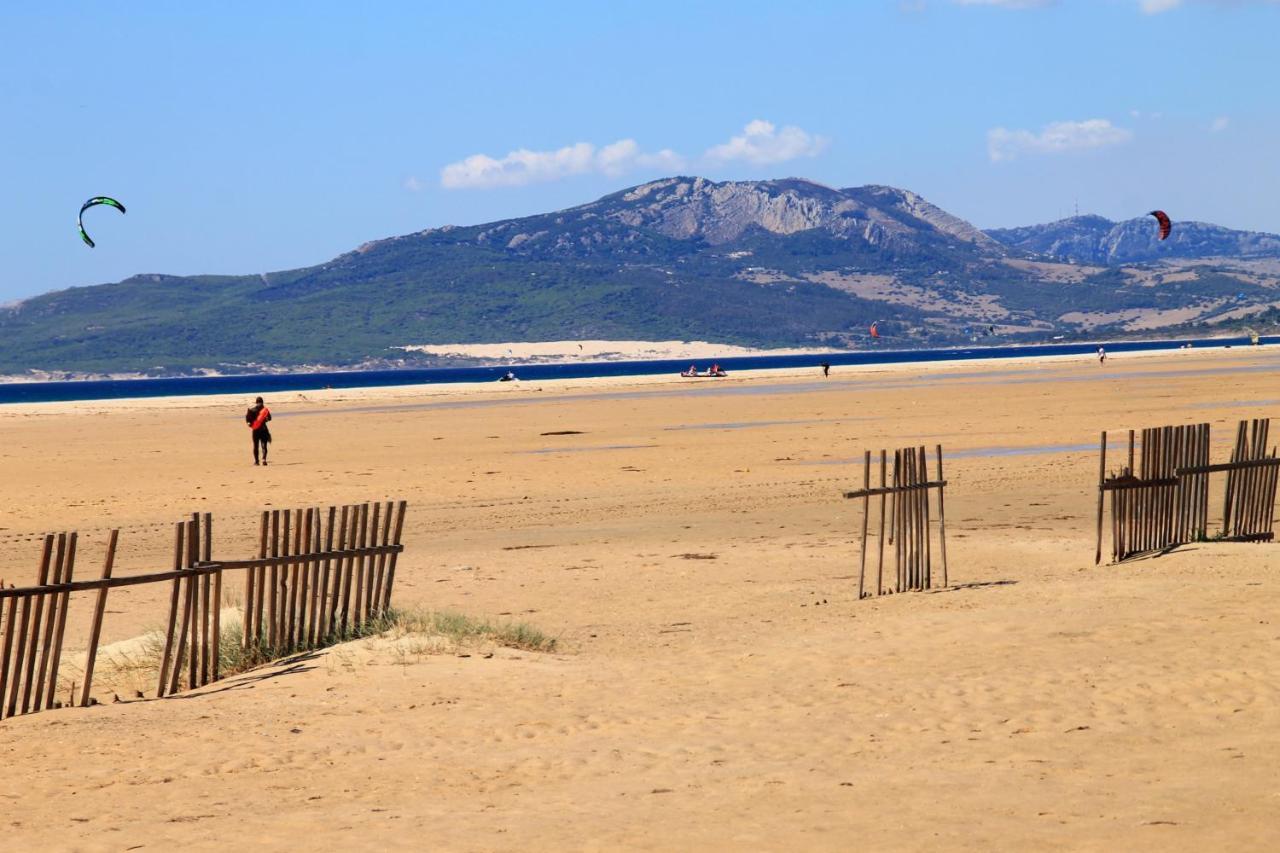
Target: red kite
x,y
1165,225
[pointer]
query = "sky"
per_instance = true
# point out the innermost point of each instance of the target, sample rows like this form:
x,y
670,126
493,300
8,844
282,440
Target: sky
x,y
252,137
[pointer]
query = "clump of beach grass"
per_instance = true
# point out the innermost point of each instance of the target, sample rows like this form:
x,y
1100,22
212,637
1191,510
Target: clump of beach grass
x,y
413,631
463,629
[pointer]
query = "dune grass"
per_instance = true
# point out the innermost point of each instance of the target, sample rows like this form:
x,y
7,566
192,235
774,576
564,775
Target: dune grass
x,y
462,629
430,632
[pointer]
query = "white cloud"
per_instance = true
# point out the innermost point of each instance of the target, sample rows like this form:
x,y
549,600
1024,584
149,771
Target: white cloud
x,y
1148,7
1156,7
625,155
523,166
1219,124
413,185
1006,4
1055,138
519,167
761,143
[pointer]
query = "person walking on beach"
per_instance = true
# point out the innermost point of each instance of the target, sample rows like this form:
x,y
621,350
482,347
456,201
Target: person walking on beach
x,y
826,368
1102,356
256,418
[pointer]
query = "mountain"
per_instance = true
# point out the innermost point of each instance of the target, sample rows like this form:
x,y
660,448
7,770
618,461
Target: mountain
x,y
1095,240
764,263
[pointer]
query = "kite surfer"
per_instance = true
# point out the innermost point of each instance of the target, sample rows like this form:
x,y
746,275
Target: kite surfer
x,y
256,418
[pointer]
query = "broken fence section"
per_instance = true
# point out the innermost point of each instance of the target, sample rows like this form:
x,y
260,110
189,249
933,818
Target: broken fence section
x,y
318,578
1249,506
1160,497
905,520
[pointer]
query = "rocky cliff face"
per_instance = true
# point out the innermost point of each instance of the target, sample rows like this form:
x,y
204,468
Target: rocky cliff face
x,y
720,213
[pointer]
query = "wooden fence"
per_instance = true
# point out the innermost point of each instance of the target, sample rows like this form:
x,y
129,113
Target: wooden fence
x,y
905,520
1164,502
1248,511
1152,507
311,584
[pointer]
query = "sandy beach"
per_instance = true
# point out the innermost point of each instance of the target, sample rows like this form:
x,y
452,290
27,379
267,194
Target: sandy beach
x,y
717,684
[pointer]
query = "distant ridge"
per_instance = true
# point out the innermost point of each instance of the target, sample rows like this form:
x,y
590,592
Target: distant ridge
x,y
785,262
1095,240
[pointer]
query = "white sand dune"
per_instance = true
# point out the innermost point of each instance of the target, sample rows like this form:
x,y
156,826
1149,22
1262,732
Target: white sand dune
x,y
598,350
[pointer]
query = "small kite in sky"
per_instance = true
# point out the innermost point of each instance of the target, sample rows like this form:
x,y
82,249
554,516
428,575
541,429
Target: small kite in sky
x,y
96,200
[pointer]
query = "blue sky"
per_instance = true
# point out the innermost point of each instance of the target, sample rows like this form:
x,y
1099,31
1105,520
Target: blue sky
x,y
255,137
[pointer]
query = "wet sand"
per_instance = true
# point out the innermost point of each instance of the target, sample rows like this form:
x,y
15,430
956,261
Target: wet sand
x,y
717,684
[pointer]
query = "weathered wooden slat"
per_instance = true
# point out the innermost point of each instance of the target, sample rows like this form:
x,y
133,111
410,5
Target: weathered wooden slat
x,y
292,580
306,636
339,572
206,555
6,649
273,639
396,547
60,630
347,570
880,538
942,520
357,574
1102,494
206,605
914,486
866,510
38,630
155,577
379,585
167,657
302,575
371,563
184,621
326,597
361,593
46,632
1124,484
192,618
899,552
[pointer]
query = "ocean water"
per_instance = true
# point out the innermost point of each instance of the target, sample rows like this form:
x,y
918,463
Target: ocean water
x,y
114,389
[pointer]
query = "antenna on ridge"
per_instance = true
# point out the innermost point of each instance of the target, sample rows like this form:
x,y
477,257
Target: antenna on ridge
x,y
1077,205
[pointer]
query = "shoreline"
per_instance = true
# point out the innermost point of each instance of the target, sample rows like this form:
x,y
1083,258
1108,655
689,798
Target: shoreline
x,y
563,353
425,392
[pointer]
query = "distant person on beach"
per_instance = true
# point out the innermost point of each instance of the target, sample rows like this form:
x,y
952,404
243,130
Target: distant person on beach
x,y
1102,356
509,376
256,418
826,368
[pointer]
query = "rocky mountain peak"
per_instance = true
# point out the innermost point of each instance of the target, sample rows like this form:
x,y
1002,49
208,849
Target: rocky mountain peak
x,y
719,212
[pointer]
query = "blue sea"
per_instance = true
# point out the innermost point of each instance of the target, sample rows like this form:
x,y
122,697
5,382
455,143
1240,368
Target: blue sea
x,y
114,389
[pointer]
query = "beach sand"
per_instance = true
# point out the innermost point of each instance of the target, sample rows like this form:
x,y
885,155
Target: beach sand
x,y
717,685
